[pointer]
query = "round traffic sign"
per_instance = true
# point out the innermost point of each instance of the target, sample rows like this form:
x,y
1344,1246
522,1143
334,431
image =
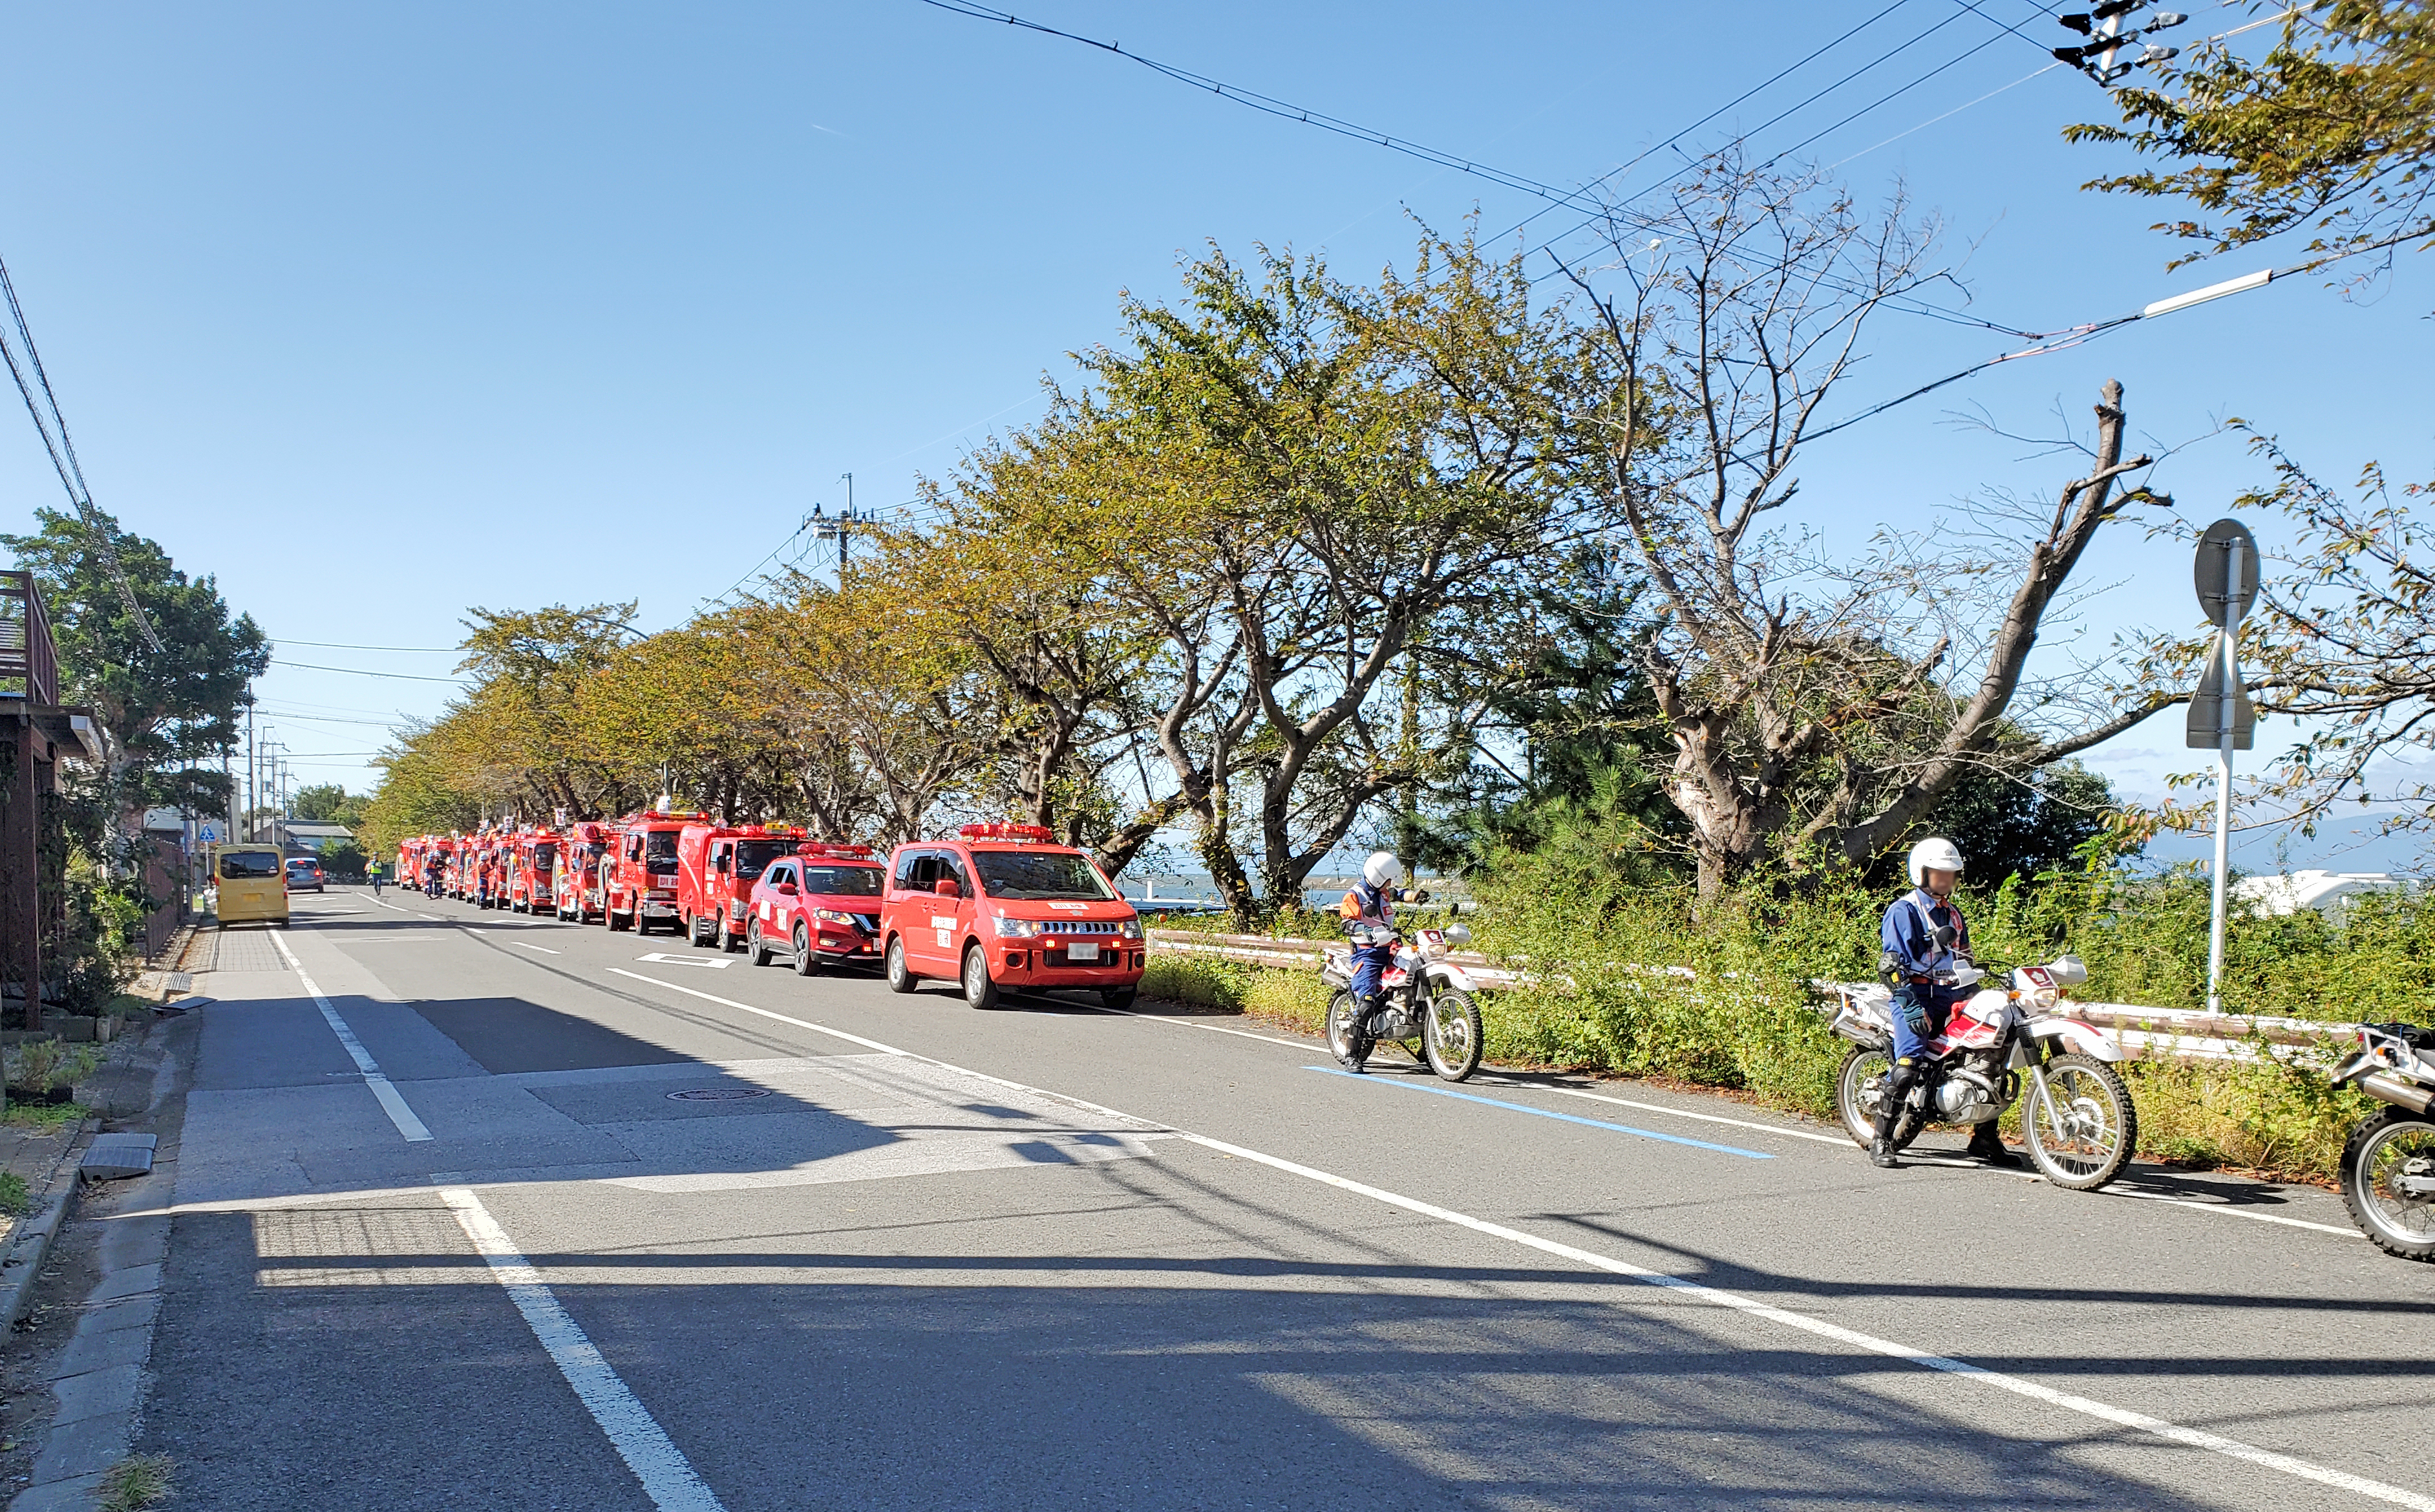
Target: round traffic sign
x,y
2225,542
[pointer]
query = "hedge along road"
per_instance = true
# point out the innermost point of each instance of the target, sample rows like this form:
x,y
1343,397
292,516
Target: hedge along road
x,y
693,1235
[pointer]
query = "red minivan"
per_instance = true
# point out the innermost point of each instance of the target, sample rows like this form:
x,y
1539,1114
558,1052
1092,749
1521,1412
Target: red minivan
x,y
1005,906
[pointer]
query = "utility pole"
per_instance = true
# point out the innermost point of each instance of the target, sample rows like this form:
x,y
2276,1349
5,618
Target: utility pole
x,y
243,828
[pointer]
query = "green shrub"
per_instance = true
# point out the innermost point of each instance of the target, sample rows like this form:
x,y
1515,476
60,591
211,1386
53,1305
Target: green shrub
x,y
16,1198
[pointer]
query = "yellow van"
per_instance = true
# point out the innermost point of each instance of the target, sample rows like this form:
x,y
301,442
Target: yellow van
x,y
252,881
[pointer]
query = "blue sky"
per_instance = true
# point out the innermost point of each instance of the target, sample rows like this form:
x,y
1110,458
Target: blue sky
x,y
377,312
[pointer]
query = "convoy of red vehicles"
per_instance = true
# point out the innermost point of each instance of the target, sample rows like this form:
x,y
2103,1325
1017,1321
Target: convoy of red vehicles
x,y
992,907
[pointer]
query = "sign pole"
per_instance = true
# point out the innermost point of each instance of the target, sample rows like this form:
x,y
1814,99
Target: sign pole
x,y
2226,710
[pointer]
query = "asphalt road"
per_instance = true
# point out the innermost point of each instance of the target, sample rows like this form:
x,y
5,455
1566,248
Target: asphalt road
x,y
573,1226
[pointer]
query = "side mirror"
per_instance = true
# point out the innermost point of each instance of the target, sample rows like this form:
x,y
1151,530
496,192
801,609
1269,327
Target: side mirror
x,y
948,887
1458,934
787,890
1945,935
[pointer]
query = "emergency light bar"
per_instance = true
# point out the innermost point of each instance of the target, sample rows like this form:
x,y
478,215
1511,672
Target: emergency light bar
x,y
822,847
1007,832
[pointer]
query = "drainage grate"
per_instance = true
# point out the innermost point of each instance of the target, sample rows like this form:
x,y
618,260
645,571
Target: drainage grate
x,y
717,1094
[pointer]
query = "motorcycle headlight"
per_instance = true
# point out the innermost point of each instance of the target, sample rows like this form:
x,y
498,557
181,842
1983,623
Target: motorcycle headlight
x,y
1017,929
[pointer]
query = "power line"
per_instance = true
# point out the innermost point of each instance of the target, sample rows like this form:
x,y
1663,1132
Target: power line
x,y
337,645
358,671
64,456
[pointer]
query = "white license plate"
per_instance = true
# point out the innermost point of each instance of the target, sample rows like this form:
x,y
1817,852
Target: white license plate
x,y
1083,950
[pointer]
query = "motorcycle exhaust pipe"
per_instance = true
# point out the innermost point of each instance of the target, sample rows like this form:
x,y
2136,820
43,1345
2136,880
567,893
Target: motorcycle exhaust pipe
x,y
2399,1093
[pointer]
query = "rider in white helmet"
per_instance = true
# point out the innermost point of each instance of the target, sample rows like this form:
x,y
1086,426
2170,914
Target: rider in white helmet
x,y
1917,953
1369,915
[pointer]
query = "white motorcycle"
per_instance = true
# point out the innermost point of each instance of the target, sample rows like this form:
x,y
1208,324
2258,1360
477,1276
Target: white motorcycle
x,y
2078,1121
1423,996
2389,1163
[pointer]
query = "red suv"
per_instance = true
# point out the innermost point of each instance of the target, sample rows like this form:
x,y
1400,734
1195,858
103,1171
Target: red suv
x,y
1005,906
821,905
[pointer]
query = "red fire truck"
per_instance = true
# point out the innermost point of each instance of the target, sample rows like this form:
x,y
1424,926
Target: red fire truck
x,y
638,877
409,861
1005,905
456,859
715,869
574,881
531,867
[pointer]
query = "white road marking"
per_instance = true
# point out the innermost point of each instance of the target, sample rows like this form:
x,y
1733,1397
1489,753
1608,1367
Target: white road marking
x,y
391,1104
2222,1209
542,948
1214,1028
703,961
2227,1211
1749,1306
667,1478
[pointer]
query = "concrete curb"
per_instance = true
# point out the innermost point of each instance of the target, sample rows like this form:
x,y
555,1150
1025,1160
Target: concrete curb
x,y
32,1244
99,1377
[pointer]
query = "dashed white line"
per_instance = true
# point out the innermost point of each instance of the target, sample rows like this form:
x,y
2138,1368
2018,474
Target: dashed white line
x,y
391,1104
1749,1306
668,1479
542,948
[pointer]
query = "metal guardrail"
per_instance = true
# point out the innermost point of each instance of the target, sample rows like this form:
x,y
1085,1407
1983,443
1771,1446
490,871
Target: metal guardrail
x,y
29,667
2144,1033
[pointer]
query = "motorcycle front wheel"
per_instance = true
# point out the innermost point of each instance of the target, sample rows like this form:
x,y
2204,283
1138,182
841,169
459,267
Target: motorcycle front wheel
x,y
2083,1131
2384,1152
1342,1041
1857,1087
1452,1035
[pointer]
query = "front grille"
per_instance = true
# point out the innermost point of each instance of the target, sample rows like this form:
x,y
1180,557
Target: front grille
x,y
1080,927
868,923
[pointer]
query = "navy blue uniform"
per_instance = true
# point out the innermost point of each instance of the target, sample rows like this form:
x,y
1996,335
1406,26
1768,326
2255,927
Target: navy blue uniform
x,y
1376,906
1909,935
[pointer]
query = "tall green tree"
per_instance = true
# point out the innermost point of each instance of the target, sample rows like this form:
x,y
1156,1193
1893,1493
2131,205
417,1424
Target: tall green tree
x,y
170,712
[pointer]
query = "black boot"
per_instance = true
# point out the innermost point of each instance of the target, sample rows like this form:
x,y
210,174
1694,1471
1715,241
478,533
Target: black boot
x,y
1355,1057
1987,1145
1881,1138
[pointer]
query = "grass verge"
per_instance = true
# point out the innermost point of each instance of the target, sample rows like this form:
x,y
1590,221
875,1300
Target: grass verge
x,y
43,1115
135,1483
16,1198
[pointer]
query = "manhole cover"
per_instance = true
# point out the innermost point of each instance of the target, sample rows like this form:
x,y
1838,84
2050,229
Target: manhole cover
x,y
717,1094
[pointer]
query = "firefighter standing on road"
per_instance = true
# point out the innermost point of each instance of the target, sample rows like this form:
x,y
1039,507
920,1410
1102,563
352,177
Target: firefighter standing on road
x,y
1919,957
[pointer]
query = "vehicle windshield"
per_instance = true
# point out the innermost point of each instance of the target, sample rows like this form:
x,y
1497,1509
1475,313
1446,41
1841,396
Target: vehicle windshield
x,y
753,857
249,864
300,866
842,881
588,854
1038,874
660,846
544,855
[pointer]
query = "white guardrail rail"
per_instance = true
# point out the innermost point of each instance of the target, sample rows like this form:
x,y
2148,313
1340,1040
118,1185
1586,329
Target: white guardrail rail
x,y
2144,1033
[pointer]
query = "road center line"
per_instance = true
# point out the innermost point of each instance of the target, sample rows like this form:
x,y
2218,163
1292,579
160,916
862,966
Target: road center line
x,y
2085,1406
391,1104
1541,1112
668,1477
542,948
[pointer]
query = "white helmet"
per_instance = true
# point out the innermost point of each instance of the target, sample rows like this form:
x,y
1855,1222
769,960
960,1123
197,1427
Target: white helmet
x,y
1382,869
1934,854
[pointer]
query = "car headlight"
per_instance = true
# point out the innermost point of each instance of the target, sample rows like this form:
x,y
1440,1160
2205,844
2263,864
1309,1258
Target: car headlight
x,y
834,916
1131,929
736,909
1017,929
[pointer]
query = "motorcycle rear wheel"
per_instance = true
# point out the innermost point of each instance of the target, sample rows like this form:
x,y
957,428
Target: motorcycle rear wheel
x,y
2084,1130
1862,1066
1453,1035
2380,1150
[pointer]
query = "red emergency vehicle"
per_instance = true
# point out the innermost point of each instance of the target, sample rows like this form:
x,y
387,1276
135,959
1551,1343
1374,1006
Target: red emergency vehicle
x,y
715,869
574,881
409,861
531,863
820,905
1005,906
638,877
456,858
